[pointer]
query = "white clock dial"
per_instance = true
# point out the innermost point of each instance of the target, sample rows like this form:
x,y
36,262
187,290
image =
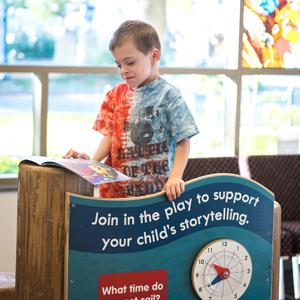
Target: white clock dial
x,y
221,270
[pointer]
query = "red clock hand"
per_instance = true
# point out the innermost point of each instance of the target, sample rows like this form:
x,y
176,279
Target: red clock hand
x,y
222,272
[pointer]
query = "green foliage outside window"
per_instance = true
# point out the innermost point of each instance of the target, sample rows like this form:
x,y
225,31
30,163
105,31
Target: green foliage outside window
x,y
8,165
23,48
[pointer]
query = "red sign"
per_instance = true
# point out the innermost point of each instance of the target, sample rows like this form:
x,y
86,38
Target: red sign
x,y
147,285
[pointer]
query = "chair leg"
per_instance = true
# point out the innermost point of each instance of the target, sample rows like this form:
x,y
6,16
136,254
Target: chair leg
x,y
296,276
281,277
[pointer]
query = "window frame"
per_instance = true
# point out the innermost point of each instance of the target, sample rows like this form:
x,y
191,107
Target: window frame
x,y
40,80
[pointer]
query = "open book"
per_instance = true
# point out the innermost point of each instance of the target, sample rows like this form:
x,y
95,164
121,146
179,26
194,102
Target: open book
x,y
93,171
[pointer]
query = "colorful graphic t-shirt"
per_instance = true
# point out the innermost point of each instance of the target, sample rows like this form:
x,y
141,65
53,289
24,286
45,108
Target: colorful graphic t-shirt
x,y
145,125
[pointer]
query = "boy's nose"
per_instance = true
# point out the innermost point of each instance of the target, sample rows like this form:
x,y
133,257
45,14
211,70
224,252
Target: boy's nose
x,y
123,73
123,70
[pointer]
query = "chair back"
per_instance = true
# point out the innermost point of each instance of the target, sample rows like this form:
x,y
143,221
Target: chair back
x,y
197,167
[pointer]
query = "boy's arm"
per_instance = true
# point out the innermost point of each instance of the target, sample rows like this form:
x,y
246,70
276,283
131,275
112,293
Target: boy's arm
x,y
103,148
174,186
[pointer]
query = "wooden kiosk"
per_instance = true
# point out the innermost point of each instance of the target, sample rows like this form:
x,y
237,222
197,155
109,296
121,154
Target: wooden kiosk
x,y
41,229
41,232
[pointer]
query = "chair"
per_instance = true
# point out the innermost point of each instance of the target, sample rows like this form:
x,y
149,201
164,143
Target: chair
x,y
7,286
197,167
280,174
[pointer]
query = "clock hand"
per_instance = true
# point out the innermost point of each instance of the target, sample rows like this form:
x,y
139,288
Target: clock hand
x,y
217,279
222,272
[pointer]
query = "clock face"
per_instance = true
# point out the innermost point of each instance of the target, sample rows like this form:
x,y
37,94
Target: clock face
x,y
221,270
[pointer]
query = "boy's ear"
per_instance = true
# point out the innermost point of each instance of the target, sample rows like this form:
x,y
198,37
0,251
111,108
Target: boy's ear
x,y
155,54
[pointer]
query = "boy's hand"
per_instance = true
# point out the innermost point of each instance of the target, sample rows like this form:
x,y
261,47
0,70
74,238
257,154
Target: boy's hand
x,y
174,187
75,154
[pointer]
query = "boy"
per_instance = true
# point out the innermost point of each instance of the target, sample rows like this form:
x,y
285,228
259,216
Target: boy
x,y
145,122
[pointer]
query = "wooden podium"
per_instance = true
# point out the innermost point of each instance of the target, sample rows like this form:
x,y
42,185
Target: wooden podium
x,y
41,230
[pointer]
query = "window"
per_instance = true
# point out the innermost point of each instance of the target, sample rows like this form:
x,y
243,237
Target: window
x,y
270,117
271,34
78,32
16,120
74,100
235,65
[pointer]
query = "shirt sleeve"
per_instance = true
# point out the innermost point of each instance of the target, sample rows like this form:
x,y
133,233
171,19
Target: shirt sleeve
x,y
104,118
181,121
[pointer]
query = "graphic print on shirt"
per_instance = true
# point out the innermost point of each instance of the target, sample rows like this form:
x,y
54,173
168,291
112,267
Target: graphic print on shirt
x,y
144,125
144,152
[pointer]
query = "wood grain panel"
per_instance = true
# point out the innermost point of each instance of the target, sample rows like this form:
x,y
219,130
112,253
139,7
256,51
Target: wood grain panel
x,y
41,229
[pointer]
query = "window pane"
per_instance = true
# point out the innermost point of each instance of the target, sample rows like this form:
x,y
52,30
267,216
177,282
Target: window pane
x,y
16,126
74,101
270,117
192,32
196,35
271,34
208,98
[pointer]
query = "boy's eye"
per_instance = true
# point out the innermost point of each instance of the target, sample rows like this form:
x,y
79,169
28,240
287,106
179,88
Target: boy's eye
x,y
130,63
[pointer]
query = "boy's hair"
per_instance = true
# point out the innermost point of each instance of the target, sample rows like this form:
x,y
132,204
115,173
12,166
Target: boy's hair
x,y
143,35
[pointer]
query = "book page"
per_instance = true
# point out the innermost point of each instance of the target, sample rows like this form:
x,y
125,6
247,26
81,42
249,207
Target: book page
x,y
93,171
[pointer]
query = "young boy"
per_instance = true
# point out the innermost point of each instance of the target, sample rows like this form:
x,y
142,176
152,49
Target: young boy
x,y
145,122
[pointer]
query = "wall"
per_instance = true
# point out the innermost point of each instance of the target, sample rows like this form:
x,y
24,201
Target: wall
x,y
8,230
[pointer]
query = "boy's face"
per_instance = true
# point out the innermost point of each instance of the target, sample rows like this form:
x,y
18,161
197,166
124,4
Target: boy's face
x,y
135,67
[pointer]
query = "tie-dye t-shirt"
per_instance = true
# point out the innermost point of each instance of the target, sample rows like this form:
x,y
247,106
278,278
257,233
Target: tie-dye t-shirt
x,y
145,125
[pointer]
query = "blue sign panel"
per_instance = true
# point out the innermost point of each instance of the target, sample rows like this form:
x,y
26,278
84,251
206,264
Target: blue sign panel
x,y
215,240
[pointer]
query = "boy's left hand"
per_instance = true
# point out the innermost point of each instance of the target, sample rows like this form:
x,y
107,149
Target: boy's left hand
x,y
174,187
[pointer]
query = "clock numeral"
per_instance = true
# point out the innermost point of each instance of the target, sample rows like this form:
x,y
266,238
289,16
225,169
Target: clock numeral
x,y
246,257
197,275
224,243
245,284
248,271
200,289
209,250
235,296
201,261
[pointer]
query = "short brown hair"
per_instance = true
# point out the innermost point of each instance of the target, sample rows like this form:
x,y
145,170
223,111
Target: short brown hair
x,y
144,36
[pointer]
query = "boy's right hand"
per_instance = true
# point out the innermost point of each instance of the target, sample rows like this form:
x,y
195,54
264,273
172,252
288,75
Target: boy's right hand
x,y
75,154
